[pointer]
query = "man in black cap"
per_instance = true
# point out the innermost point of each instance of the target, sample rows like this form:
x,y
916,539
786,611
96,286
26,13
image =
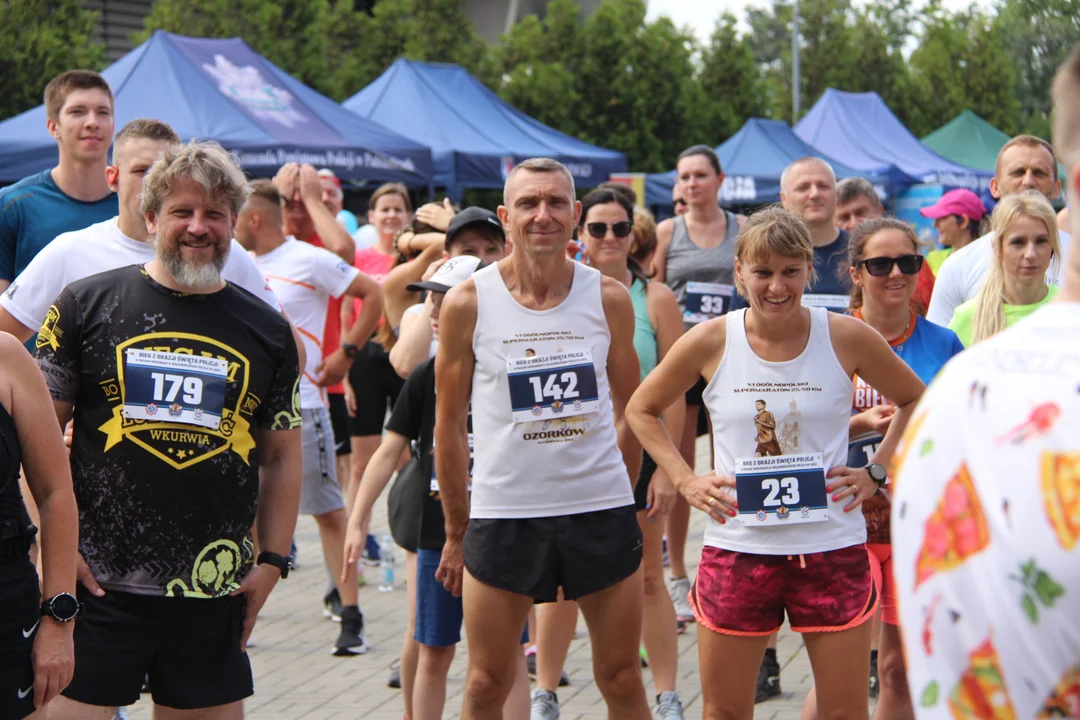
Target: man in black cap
x,y
473,231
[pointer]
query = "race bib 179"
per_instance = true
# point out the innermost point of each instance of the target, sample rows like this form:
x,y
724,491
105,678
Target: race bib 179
x,y
174,387
781,490
545,387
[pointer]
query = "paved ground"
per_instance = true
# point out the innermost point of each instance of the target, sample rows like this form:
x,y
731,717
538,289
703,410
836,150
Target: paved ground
x,y
297,677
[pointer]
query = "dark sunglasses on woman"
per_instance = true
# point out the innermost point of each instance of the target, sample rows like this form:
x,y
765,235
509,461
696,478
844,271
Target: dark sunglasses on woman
x,y
599,229
882,266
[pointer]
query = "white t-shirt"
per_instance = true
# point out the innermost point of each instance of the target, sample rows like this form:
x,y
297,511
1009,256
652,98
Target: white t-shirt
x,y
304,278
986,527
962,274
97,249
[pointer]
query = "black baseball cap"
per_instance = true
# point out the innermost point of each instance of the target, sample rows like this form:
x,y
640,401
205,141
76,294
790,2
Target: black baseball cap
x,y
472,216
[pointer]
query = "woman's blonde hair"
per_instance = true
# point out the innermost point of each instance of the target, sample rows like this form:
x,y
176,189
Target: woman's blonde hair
x,y
773,230
990,302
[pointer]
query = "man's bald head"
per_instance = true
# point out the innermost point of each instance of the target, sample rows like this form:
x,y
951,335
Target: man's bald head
x,y
806,162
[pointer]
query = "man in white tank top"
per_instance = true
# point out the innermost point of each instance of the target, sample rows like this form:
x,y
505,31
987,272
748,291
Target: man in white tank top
x,y
543,349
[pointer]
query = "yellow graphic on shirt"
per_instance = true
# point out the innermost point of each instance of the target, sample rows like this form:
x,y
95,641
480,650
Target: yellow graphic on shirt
x,y
290,419
981,692
214,572
1060,486
48,335
1064,701
956,531
182,445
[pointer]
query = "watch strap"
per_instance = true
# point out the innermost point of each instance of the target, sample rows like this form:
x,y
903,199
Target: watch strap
x,y
48,607
278,561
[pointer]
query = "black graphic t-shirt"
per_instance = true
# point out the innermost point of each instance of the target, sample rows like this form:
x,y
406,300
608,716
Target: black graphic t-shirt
x,y
169,390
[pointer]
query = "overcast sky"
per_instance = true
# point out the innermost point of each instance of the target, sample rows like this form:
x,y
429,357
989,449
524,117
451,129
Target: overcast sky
x,y
701,15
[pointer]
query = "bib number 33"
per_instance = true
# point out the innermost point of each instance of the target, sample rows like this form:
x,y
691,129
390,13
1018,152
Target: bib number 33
x,y
781,490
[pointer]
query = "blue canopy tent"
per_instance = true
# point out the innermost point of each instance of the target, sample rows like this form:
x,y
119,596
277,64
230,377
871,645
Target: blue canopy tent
x,y
859,130
475,136
753,159
222,90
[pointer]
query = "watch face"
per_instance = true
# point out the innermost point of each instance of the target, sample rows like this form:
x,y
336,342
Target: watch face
x,y
877,472
64,607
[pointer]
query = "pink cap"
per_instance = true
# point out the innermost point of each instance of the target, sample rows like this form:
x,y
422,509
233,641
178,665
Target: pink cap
x,y
956,202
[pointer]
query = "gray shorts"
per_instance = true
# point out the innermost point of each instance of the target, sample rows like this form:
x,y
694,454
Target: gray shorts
x,y
321,492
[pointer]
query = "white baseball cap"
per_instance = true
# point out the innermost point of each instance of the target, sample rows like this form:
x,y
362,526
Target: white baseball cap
x,y
453,272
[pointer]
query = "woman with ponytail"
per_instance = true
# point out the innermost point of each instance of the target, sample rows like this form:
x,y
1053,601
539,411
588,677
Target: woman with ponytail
x,y
1025,243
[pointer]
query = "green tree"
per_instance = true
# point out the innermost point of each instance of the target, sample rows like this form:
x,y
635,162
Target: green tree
x,y
534,66
989,78
39,41
731,80
938,73
1037,36
636,86
329,44
827,49
960,63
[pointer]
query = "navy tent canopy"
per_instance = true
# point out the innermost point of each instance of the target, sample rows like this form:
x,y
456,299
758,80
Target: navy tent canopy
x,y
476,137
859,130
222,90
753,160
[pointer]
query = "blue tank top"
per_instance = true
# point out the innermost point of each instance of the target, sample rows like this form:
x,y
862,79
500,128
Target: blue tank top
x,y
644,334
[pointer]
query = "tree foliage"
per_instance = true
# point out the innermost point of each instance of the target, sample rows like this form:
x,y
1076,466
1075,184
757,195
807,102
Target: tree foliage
x,y
647,88
38,41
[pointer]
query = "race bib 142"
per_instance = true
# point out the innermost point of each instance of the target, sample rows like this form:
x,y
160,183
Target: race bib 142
x,y
544,387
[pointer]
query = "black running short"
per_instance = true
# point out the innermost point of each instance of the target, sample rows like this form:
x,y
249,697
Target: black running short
x,y
189,648
339,421
694,399
376,386
582,553
641,490
20,599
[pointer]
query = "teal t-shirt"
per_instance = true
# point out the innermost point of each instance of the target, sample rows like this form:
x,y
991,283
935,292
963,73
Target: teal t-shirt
x,y
34,211
963,321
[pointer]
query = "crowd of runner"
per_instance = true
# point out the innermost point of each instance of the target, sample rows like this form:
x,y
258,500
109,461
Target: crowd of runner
x,y
220,355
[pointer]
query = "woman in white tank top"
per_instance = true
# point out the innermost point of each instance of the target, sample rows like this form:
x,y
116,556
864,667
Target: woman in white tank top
x,y
785,532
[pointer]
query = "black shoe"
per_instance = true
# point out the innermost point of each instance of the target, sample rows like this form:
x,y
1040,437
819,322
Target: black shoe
x,y
351,639
332,605
530,665
395,679
874,684
768,680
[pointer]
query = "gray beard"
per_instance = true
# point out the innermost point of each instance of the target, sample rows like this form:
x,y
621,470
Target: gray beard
x,y
199,277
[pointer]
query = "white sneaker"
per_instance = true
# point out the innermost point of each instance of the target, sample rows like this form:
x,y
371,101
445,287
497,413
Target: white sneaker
x,y
545,706
668,706
680,598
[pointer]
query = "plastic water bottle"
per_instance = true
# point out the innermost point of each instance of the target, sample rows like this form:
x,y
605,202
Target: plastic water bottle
x,y
386,564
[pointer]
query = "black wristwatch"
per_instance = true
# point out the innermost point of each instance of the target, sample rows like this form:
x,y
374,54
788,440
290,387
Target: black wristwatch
x,y
351,351
62,608
877,473
269,558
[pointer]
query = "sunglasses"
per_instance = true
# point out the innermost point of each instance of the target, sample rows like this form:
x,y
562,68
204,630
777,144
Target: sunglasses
x,y
599,229
679,202
882,266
